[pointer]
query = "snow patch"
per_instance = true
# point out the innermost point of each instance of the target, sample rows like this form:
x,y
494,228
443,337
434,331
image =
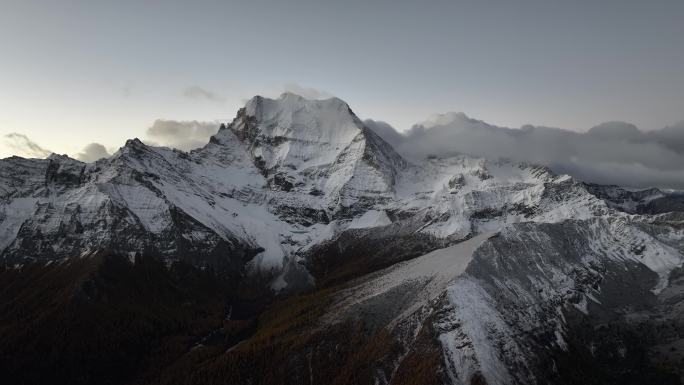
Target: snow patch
x,y
470,346
432,271
371,218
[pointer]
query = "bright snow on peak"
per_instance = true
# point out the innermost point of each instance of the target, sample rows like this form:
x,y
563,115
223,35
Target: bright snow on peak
x,y
297,132
292,116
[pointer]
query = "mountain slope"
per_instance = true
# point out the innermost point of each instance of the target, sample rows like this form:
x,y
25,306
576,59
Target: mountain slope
x,y
103,319
441,270
282,166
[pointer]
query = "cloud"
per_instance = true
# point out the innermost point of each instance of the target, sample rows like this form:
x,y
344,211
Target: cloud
x,y
671,137
610,153
184,135
92,152
197,92
306,92
21,145
386,132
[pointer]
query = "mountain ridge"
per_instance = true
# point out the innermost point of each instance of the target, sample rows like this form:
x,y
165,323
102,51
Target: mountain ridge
x,y
313,159
498,266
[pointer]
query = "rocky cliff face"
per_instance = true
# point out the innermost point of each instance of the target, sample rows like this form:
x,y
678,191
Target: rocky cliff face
x,y
495,270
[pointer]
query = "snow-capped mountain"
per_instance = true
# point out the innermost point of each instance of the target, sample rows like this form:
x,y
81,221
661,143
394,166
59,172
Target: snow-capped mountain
x,y
504,263
282,166
285,175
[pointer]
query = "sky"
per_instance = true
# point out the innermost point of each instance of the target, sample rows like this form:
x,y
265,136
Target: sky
x,y
78,73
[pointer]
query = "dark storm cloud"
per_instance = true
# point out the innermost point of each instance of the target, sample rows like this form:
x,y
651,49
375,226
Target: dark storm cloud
x,y
197,92
92,152
610,153
21,145
184,135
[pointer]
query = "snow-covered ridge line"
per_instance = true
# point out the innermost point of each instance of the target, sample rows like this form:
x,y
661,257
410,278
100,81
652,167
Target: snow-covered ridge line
x,y
284,175
431,272
498,252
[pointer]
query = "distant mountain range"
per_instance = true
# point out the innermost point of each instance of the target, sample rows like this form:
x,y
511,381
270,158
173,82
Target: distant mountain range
x,y
299,247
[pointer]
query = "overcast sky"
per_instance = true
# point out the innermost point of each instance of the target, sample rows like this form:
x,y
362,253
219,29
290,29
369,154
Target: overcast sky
x,y
77,72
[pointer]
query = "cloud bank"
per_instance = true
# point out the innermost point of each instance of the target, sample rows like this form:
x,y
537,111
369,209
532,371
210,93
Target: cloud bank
x,y
92,152
610,153
184,135
20,145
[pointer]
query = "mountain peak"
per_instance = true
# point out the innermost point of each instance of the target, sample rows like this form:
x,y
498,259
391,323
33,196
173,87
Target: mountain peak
x,y
295,131
289,103
133,147
60,157
312,145
294,97
135,142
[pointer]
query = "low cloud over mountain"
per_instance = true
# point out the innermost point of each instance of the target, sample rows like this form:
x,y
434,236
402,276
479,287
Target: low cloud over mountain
x,y
184,135
610,153
93,152
20,145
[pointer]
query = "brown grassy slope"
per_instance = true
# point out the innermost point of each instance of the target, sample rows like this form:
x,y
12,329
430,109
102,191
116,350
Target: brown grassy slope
x,y
104,320
97,320
292,346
